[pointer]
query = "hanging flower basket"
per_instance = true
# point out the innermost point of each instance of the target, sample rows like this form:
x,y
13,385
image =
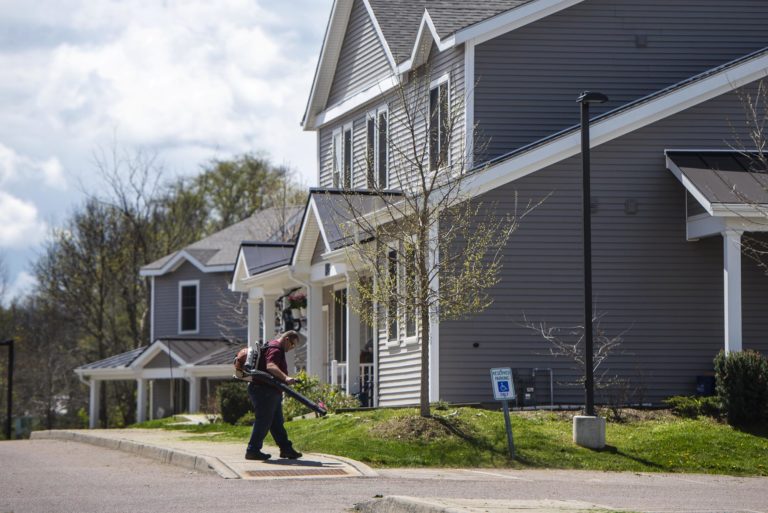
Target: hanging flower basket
x,y
297,300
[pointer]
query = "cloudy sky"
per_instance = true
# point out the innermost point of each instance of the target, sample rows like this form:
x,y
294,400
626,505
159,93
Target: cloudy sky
x,y
190,80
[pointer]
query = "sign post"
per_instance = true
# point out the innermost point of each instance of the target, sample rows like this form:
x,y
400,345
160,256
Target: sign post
x,y
504,390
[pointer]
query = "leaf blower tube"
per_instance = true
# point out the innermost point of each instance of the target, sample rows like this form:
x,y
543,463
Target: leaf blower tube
x,y
268,379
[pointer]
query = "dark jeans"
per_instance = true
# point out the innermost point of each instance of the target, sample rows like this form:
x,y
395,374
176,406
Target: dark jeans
x,y
268,406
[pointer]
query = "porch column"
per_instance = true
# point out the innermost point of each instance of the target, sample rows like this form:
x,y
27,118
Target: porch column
x,y
194,394
269,317
732,289
353,337
253,320
141,400
314,333
93,413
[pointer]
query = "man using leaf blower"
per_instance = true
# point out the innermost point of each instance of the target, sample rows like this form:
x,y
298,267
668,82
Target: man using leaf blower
x,y
268,400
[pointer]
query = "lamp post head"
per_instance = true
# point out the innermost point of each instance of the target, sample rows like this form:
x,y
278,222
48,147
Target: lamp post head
x,y
592,97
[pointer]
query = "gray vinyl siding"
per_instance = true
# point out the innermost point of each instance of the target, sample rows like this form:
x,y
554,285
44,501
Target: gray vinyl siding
x,y
754,282
449,62
664,293
215,298
527,80
362,61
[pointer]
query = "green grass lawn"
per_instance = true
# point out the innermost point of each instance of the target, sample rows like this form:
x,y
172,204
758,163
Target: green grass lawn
x,y
468,437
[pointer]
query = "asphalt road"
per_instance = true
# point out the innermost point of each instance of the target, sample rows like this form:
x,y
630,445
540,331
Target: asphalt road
x,y
55,476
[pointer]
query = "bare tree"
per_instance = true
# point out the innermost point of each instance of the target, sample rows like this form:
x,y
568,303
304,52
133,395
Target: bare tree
x,y
568,343
754,149
421,226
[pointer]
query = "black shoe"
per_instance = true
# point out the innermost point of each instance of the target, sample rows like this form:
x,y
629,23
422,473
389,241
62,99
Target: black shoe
x,y
290,454
257,456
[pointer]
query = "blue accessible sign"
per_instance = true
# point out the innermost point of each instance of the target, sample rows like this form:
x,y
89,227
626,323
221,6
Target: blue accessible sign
x,y
503,386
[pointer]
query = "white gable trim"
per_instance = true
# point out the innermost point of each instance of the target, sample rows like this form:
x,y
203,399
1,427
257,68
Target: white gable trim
x,y
311,215
511,20
689,186
380,35
615,126
422,45
241,272
329,58
148,355
179,259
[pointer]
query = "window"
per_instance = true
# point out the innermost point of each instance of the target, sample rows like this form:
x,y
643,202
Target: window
x,y
438,125
410,288
392,324
377,154
189,306
340,325
402,273
342,157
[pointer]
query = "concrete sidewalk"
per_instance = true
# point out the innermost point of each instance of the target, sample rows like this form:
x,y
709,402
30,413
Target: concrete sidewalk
x,y
198,452
226,459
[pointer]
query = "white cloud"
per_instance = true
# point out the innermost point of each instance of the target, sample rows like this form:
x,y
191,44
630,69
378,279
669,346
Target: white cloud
x,y
185,73
15,168
19,223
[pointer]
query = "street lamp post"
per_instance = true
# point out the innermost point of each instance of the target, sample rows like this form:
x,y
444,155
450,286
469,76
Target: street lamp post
x,y
584,100
9,343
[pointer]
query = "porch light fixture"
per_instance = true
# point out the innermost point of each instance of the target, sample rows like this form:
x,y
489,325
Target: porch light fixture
x,y
585,100
9,411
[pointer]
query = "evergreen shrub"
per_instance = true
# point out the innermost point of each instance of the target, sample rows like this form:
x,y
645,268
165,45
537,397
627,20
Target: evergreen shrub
x,y
233,400
741,385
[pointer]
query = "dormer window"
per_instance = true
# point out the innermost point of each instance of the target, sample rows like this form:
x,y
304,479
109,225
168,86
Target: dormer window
x,y
439,124
342,157
189,306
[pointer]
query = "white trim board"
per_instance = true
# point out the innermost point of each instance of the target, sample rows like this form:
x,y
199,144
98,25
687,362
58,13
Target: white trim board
x,y
179,258
511,20
614,126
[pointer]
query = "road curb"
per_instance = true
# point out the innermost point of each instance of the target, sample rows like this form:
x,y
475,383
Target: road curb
x,y
162,454
403,504
365,470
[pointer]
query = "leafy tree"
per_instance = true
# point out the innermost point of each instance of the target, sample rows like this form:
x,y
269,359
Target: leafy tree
x,y
235,189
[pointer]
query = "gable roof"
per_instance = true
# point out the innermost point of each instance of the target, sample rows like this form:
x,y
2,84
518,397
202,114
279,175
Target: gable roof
x,y
400,20
406,26
218,252
259,257
118,361
620,121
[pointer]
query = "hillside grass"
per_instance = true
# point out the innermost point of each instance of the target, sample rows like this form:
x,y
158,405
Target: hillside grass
x,y
468,437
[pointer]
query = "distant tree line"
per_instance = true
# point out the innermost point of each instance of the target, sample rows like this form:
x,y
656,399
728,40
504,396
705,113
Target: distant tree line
x,y
90,302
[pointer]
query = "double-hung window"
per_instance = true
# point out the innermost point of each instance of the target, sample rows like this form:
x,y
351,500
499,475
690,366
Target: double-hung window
x,y
189,306
377,154
439,124
392,321
402,307
342,157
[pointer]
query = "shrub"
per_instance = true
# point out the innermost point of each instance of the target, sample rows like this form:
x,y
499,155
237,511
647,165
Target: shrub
x,y
233,401
694,407
741,384
310,387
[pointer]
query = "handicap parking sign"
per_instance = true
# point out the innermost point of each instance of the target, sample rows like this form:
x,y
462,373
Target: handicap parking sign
x,y
503,386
